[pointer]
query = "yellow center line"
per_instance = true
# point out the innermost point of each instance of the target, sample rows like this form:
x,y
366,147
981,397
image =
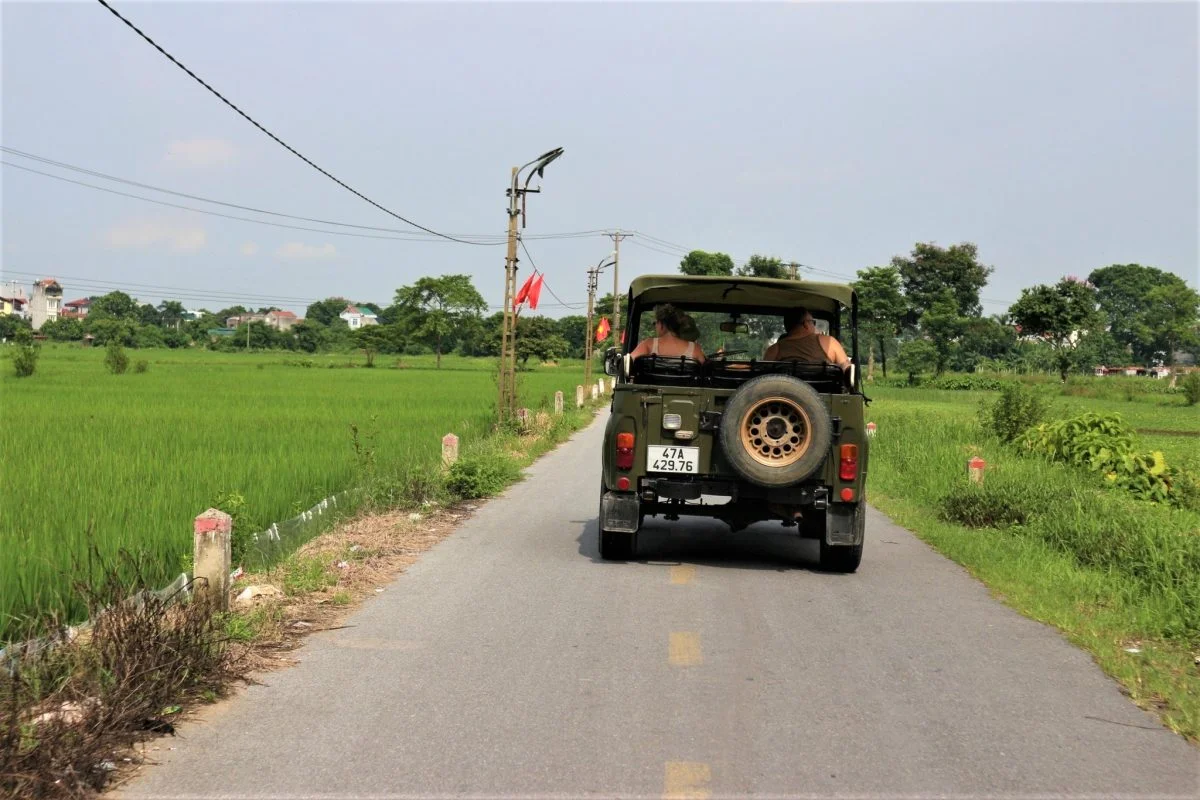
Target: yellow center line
x,y
686,780
682,573
683,649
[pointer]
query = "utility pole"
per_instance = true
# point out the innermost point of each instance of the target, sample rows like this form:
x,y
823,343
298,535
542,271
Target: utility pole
x,y
508,332
507,388
592,279
795,270
589,347
617,237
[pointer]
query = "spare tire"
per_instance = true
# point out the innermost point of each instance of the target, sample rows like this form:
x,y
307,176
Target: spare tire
x,y
775,431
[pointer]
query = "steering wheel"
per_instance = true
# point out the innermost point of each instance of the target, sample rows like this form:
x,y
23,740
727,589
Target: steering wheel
x,y
726,353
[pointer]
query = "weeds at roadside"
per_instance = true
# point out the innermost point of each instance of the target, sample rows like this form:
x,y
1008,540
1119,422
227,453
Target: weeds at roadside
x,y
71,707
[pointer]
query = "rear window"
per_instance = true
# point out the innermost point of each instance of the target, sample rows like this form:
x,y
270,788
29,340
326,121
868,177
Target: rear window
x,y
763,329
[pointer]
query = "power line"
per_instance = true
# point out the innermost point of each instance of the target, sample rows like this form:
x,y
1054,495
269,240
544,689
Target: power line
x,y
127,181
218,213
279,141
545,285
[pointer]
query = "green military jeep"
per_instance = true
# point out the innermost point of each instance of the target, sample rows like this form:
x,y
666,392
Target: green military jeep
x,y
736,438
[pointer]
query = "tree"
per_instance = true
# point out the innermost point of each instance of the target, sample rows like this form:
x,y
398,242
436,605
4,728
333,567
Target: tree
x,y
915,356
309,336
114,305
63,329
1122,290
172,312
943,325
1171,315
149,315
440,304
929,269
766,267
983,338
881,307
106,330
1061,314
324,312
376,339
573,329
698,262
11,326
538,336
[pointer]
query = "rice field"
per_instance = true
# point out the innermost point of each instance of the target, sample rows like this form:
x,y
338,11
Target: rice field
x,y
127,461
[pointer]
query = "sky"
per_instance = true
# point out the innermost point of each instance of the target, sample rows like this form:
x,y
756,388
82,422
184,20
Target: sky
x,y
1057,137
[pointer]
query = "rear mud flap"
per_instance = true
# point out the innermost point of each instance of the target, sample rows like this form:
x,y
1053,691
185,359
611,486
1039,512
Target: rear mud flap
x,y
620,513
845,524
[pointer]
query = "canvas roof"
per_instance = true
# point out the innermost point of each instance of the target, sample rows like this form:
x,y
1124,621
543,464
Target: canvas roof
x,y
740,290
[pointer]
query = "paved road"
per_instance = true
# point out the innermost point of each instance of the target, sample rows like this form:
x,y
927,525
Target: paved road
x,y
512,661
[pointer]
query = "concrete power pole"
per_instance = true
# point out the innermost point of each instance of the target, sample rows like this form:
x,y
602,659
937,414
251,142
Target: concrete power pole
x,y
617,237
508,331
507,383
592,279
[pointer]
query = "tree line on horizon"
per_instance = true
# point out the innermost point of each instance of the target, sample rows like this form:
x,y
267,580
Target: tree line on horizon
x,y
922,311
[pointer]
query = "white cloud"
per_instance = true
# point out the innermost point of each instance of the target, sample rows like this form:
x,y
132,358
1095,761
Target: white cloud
x,y
299,250
199,152
143,234
249,249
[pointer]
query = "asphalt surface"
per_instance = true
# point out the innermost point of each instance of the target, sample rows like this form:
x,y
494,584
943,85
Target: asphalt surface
x,y
512,661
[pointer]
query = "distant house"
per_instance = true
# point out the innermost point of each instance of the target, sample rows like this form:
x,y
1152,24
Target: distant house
x,y
281,320
358,317
244,319
77,309
46,303
12,299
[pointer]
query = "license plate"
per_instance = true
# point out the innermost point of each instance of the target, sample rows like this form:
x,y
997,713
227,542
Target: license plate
x,y
669,458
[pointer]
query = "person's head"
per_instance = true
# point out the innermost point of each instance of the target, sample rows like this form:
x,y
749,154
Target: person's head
x,y
688,330
666,319
798,319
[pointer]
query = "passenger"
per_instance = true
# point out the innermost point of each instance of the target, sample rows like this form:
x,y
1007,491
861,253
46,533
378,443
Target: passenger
x,y
669,325
803,343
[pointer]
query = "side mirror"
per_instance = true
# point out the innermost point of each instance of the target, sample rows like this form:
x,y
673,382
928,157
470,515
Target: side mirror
x,y
612,361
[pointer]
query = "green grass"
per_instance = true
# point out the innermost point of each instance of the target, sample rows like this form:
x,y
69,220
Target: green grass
x,y
1108,570
127,461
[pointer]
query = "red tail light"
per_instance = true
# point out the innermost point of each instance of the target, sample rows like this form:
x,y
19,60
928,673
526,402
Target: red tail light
x,y
625,451
849,465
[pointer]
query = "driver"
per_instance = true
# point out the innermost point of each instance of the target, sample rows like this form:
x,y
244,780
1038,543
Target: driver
x,y
670,327
803,343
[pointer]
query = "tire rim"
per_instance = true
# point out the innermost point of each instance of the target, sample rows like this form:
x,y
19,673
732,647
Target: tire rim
x,y
775,432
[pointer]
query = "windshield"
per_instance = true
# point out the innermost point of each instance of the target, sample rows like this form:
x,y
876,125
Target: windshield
x,y
757,331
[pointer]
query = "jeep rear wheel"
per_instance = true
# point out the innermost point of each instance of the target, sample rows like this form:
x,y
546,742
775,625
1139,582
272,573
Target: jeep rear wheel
x,y
775,431
840,558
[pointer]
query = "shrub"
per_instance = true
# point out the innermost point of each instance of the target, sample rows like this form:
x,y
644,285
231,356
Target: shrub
x,y
1101,443
115,358
986,506
482,475
1191,388
141,366
968,382
1016,409
25,360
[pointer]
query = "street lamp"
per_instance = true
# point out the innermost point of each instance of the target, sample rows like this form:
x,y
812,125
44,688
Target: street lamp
x,y
508,336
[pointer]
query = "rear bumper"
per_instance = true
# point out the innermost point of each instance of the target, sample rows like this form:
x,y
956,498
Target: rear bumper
x,y
652,489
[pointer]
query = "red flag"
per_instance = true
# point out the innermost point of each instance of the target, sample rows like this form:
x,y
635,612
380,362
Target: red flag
x,y
524,292
602,329
535,292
